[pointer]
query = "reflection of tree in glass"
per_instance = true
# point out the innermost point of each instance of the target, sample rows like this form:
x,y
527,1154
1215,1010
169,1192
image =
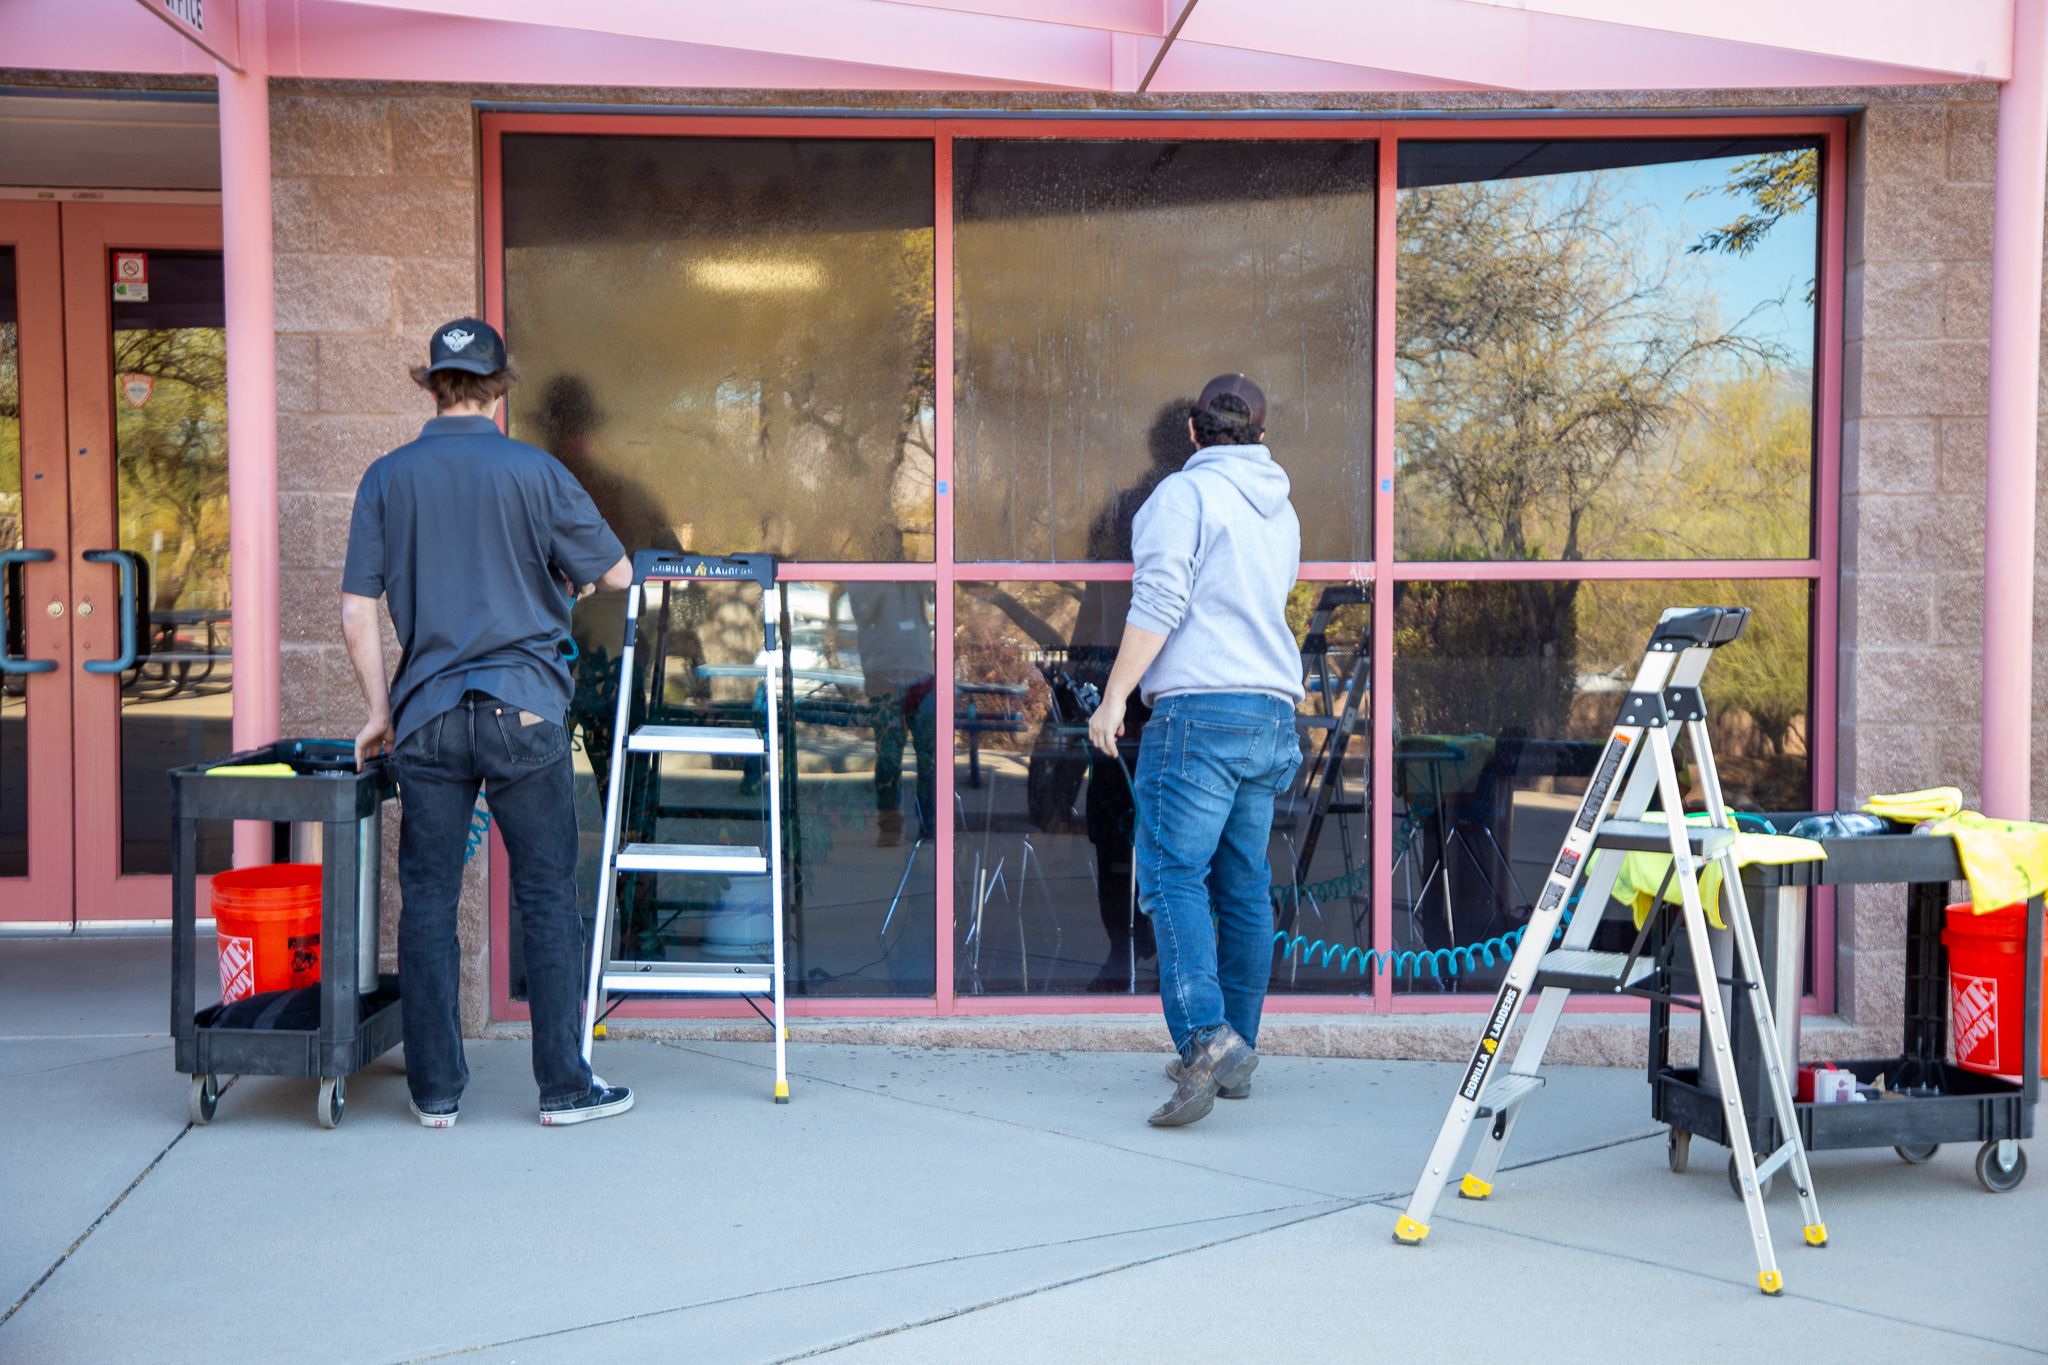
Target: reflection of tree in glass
x,y
173,462
1546,349
1489,658
10,440
791,417
1779,184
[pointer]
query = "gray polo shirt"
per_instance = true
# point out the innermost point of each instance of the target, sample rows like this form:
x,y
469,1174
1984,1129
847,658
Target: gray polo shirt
x,y
467,535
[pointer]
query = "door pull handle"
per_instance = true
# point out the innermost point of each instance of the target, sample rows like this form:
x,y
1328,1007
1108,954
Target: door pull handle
x,y
8,663
126,561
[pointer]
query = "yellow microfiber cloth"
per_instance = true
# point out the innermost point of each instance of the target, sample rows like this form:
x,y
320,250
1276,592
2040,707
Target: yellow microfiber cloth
x,y
1642,873
253,770
1936,803
2005,860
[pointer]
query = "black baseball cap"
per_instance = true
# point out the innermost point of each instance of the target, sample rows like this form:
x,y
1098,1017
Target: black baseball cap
x,y
467,344
1237,386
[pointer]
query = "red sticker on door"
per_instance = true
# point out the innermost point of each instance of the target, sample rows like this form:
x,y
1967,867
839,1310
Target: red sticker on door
x,y
131,277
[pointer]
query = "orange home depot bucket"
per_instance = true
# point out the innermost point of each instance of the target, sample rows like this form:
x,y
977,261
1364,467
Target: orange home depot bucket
x,y
268,922
1987,989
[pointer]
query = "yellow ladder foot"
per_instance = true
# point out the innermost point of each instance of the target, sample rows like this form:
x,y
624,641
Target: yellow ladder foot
x,y
1817,1235
597,1032
782,1092
1472,1187
1408,1232
1771,1282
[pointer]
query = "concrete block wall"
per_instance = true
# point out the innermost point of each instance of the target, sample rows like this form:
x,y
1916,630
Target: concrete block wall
x,y
376,244
377,239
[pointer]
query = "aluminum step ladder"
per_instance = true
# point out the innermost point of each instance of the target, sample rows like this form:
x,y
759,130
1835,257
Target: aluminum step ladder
x,y
636,758
1665,694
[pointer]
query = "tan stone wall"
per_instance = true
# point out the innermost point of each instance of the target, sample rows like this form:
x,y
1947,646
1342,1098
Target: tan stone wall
x,y
376,239
377,236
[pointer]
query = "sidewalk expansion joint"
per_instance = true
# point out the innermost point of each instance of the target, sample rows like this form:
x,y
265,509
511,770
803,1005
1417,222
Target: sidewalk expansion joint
x,y
105,1214
1314,1211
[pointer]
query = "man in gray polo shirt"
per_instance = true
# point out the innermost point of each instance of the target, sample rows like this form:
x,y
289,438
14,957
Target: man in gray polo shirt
x,y
479,545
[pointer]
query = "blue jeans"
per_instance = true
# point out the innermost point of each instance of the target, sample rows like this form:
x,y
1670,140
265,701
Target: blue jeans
x,y
1209,767
528,780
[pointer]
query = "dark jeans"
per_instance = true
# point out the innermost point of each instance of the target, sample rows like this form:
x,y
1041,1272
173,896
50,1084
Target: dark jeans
x,y
1209,767
528,780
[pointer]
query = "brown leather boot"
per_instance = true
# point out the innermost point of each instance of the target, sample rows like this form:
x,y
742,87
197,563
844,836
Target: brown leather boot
x,y
888,828
1225,1060
1242,1091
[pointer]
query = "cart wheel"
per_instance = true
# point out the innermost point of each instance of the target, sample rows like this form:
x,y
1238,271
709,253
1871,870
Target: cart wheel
x,y
1918,1155
1997,1178
1677,1148
333,1097
1735,1181
204,1095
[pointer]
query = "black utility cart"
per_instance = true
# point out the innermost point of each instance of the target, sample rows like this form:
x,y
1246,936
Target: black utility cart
x,y
1936,1101
329,802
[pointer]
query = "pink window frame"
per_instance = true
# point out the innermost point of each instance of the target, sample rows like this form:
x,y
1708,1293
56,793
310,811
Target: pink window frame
x,y
1383,571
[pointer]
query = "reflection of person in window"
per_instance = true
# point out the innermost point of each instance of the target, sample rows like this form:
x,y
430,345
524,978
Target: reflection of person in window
x,y
566,423
1098,626
894,637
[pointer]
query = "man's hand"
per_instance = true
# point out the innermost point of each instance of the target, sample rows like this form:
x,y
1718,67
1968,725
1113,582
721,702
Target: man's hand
x,y
366,653
1139,648
1106,724
375,738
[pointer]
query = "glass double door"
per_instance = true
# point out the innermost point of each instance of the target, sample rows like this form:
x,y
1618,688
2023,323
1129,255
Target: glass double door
x,y
118,661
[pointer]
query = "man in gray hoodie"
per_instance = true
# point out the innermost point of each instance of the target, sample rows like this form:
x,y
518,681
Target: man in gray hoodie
x,y
1216,549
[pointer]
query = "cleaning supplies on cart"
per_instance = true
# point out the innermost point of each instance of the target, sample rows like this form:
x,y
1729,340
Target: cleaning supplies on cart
x,y
2006,861
1642,873
1839,825
252,770
1910,808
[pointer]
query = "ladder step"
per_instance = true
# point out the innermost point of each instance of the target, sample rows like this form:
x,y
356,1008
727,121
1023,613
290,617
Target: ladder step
x,y
1650,836
1580,969
689,978
1508,1090
732,860
694,739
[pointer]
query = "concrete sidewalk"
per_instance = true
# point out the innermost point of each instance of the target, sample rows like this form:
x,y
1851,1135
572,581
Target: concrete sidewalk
x,y
919,1204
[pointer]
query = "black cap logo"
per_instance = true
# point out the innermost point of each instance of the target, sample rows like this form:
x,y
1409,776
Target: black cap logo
x,y
466,344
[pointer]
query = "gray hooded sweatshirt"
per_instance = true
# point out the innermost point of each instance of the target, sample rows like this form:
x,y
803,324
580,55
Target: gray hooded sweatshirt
x,y
1216,549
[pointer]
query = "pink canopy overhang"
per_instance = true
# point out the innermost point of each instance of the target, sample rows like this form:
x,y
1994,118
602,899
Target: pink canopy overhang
x,y
1164,47
1083,45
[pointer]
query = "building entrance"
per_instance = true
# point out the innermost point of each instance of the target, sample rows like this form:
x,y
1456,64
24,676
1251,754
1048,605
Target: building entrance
x,y
113,524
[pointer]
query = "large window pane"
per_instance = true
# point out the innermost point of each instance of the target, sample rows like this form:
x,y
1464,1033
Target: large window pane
x,y
857,799
1042,864
1604,350
730,340
1098,285
1503,696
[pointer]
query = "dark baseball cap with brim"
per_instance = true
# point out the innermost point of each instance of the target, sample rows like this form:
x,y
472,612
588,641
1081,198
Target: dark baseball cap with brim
x,y
466,344
1238,387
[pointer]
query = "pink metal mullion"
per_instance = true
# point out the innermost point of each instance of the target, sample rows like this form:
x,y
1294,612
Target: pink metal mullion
x,y
1385,249
1541,570
1825,652
942,563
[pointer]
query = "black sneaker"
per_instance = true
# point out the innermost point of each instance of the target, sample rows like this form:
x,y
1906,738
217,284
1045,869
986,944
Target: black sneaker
x,y
1241,1091
601,1103
436,1118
